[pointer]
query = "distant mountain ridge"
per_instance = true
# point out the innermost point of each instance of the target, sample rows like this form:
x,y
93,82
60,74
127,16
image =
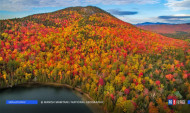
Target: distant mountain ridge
x,y
167,28
178,31
152,23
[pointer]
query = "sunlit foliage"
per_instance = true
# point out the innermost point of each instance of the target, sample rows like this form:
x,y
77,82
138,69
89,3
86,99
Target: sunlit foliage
x,y
129,68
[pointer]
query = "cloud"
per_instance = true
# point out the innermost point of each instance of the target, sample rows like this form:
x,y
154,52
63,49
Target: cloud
x,y
118,12
136,20
178,18
120,2
20,5
177,5
174,17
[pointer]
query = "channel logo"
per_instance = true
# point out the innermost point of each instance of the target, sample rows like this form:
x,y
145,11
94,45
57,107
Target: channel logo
x,y
180,102
175,102
171,101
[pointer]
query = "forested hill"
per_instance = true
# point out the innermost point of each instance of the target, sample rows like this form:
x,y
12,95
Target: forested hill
x,y
111,60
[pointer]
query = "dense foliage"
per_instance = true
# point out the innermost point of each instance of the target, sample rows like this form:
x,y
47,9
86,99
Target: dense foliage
x,y
130,69
179,35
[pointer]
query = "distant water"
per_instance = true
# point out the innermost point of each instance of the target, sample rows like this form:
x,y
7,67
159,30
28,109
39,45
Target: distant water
x,y
42,93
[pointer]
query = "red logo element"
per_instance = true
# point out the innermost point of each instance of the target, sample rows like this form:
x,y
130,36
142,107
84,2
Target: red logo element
x,y
174,101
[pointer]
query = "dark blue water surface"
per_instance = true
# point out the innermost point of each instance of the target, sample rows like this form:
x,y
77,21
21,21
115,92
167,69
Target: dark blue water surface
x,y
42,93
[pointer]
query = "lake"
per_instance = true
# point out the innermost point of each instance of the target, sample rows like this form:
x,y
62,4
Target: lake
x,y
45,93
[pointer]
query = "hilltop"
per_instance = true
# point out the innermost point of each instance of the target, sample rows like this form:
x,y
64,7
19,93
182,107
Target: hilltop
x,y
111,60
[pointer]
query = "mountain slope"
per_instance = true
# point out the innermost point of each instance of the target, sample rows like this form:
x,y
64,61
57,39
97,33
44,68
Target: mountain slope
x,y
87,47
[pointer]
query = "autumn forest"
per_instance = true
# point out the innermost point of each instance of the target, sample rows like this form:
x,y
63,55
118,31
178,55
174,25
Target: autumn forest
x,y
130,69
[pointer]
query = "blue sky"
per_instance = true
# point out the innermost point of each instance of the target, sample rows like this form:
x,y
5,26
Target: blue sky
x,y
132,11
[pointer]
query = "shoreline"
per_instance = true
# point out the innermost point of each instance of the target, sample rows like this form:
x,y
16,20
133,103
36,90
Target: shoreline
x,y
76,89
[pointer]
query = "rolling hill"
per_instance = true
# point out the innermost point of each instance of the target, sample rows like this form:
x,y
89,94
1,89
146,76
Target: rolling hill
x,y
179,31
111,60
